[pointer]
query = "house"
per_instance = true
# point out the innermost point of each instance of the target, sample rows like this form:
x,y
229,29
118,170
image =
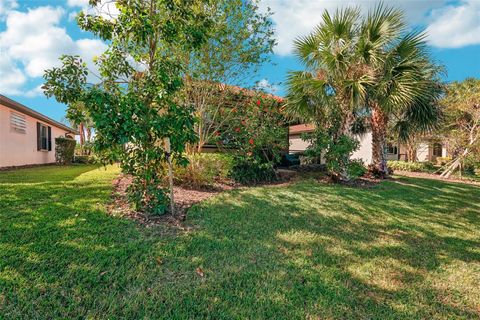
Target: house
x,y
26,136
426,150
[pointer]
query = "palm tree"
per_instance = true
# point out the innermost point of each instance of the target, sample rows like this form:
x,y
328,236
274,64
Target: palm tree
x,y
333,86
406,79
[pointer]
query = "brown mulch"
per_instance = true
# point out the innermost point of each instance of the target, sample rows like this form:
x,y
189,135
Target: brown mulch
x,y
184,198
435,177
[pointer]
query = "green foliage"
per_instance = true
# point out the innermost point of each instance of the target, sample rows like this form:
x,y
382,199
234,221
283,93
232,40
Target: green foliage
x,y
335,152
134,107
256,134
64,150
356,168
251,170
358,65
203,169
461,127
443,160
410,166
85,159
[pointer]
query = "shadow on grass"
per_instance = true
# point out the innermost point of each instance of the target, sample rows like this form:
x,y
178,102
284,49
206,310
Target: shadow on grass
x,y
304,251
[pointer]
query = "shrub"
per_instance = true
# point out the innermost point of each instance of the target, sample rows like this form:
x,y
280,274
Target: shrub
x,y
248,170
471,166
356,168
410,166
203,169
64,150
84,159
256,134
336,153
441,161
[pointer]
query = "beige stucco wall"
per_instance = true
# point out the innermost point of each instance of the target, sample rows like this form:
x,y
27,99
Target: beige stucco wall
x,y
297,144
423,152
18,149
364,152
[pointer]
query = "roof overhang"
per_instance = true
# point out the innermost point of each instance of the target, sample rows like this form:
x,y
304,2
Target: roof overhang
x,y
34,114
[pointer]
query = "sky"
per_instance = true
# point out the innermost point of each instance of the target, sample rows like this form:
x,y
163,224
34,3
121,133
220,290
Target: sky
x,y
34,33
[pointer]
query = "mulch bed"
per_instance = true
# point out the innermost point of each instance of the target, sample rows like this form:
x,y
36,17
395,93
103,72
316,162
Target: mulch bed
x,y
435,177
184,199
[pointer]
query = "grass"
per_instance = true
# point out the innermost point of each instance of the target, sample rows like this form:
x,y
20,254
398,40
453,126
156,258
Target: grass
x,y
405,249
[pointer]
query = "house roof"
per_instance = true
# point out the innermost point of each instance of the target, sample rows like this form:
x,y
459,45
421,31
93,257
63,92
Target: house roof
x,y
26,110
301,128
249,92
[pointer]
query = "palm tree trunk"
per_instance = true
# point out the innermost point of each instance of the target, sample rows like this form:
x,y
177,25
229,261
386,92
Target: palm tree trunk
x,y
379,140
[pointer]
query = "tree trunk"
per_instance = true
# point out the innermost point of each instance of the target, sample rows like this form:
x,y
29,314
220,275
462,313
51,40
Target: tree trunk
x,y
454,165
346,130
379,140
411,153
82,133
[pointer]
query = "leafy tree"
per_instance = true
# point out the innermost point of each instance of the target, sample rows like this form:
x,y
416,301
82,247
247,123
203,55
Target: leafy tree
x,y
461,128
133,107
256,134
239,43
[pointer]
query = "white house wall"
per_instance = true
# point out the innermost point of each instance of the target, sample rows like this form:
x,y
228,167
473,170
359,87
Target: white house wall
x,y
423,152
364,152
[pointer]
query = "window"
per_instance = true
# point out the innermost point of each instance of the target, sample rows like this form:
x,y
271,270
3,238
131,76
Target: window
x,y
18,123
437,150
44,137
391,149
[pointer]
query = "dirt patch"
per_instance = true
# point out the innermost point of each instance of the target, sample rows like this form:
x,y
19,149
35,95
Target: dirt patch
x,y
435,177
184,199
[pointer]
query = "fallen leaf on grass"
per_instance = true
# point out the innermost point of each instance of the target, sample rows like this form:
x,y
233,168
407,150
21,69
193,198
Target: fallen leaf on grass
x,y
159,260
199,271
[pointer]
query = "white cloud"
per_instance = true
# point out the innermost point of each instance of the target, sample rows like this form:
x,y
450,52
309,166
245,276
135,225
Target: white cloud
x,y
455,26
77,3
265,85
105,8
32,42
296,18
11,77
6,6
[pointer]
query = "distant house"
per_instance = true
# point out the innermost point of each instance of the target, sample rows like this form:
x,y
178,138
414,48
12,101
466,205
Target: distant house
x,y
426,151
26,136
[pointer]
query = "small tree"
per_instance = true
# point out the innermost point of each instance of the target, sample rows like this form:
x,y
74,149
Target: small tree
x,y
462,122
256,134
133,106
239,43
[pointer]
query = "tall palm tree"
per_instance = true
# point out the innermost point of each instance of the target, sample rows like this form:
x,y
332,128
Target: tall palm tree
x,y
335,81
406,79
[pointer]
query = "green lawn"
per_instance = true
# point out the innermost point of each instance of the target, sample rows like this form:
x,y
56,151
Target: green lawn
x,y
405,249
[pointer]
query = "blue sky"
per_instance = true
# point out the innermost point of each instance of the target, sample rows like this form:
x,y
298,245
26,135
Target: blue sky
x,y
34,33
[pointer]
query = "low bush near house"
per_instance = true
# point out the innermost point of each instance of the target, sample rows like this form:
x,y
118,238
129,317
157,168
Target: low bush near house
x,y
84,159
443,160
410,166
203,169
64,150
247,170
356,168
